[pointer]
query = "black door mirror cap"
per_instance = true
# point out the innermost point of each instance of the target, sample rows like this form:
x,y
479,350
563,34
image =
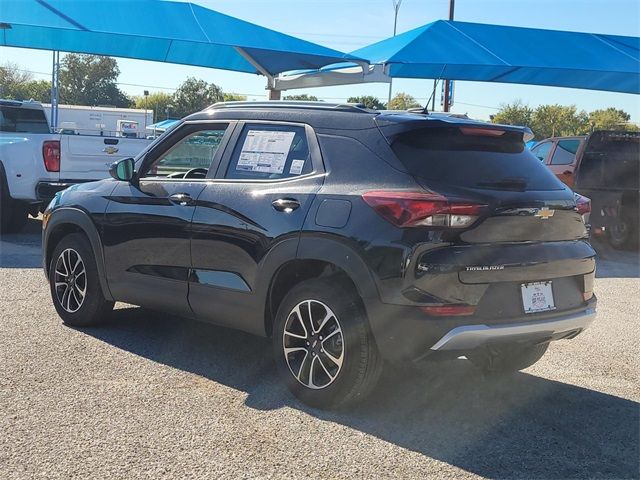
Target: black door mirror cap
x,y
123,170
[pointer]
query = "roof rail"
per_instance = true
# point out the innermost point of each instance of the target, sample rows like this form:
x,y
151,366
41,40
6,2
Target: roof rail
x,y
311,105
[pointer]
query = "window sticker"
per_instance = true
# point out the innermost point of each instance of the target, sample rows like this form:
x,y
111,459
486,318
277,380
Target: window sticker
x,y
265,151
296,167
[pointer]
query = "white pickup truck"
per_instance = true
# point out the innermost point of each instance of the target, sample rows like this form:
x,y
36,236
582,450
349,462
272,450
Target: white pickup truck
x,y
36,163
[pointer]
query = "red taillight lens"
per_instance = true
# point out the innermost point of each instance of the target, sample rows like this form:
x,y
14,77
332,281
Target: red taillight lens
x,y
449,310
51,155
414,209
583,204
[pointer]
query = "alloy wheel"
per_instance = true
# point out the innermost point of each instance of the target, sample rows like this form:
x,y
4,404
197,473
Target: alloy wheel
x,y
313,344
70,280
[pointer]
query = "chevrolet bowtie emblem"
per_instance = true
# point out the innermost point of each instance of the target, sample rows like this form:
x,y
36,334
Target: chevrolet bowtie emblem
x,y
544,213
110,150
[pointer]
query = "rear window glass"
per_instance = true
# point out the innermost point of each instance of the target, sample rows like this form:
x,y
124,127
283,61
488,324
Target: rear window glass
x,y
23,120
450,156
611,161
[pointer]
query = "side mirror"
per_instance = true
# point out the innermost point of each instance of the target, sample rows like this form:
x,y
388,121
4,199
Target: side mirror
x,y
123,169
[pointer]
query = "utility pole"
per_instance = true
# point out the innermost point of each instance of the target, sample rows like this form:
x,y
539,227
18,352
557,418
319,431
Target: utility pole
x,y
396,8
447,83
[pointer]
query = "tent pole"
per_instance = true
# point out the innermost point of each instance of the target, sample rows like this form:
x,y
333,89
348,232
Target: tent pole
x,y
274,94
55,74
447,83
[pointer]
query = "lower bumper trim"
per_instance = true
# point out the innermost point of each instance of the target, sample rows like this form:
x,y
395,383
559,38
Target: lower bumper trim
x,y
469,337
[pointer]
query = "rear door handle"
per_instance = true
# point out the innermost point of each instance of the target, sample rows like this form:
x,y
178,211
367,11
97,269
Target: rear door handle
x,y
286,205
183,199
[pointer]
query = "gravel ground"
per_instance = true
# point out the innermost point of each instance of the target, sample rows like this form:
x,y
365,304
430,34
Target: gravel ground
x,y
154,396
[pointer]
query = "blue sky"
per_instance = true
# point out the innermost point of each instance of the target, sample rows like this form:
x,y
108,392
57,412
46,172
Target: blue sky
x,y
350,24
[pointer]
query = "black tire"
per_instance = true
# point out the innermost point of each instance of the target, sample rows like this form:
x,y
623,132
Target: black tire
x,y
93,309
361,363
13,214
508,358
624,235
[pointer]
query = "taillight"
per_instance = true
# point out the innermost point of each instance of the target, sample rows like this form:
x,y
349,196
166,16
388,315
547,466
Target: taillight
x,y
414,209
456,310
583,204
51,155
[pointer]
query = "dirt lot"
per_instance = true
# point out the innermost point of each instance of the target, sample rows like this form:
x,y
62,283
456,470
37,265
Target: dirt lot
x,y
154,396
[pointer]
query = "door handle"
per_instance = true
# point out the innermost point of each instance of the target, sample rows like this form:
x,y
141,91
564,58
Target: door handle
x,y
286,205
181,199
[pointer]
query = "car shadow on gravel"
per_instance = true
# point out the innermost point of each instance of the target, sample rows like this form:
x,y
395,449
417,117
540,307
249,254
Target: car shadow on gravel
x,y
612,263
24,249
518,426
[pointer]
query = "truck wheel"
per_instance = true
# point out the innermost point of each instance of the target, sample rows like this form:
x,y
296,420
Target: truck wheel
x,y
74,283
507,359
13,215
624,234
323,347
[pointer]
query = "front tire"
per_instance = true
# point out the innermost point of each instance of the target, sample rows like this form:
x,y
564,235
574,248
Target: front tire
x,y
509,358
74,283
323,347
624,234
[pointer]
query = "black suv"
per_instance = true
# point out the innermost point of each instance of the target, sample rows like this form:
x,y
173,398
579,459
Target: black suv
x,y
348,236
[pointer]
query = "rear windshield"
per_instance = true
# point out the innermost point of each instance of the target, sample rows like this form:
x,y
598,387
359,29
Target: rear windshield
x,y
470,160
611,160
23,120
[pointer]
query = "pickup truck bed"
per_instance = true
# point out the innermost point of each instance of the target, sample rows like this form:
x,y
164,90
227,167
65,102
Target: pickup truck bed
x,y
35,163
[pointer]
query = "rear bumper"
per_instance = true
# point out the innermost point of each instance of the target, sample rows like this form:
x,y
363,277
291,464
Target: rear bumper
x,y
45,191
470,337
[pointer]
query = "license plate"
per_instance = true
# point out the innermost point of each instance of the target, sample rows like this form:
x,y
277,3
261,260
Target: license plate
x,y
537,297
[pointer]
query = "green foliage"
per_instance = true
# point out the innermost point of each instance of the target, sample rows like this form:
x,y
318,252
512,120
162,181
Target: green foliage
x,y
403,101
234,97
515,113
17,84
559,120
156,101
194,95
369,101
91,80
302,96
609,119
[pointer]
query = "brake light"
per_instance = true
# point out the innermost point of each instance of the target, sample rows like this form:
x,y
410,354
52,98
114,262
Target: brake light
x,y
456,310
583,204
482,132
51,155
414,209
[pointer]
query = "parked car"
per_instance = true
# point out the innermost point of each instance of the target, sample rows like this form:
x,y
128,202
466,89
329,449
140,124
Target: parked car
x,y
603,166
36,163
347,236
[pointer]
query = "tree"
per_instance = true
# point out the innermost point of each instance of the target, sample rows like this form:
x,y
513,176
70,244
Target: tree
x,y
558,120
18,84
194,95
368,101
609,119
91,80
302,96
156,101
234,97
403,101
515,113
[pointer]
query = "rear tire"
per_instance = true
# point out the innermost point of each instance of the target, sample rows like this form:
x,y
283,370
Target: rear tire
x,y
324,319
506,359
74,283
624,235
13,215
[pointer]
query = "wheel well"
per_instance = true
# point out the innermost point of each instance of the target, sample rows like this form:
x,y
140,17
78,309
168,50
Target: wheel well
x,y
58,234
292,273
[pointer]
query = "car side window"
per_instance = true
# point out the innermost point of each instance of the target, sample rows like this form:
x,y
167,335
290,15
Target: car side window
x,y
270,152
193,153
565,152
541,151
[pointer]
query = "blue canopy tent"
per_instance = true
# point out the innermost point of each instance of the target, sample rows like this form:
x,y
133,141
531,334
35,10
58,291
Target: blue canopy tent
x,y
492,53
158,30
